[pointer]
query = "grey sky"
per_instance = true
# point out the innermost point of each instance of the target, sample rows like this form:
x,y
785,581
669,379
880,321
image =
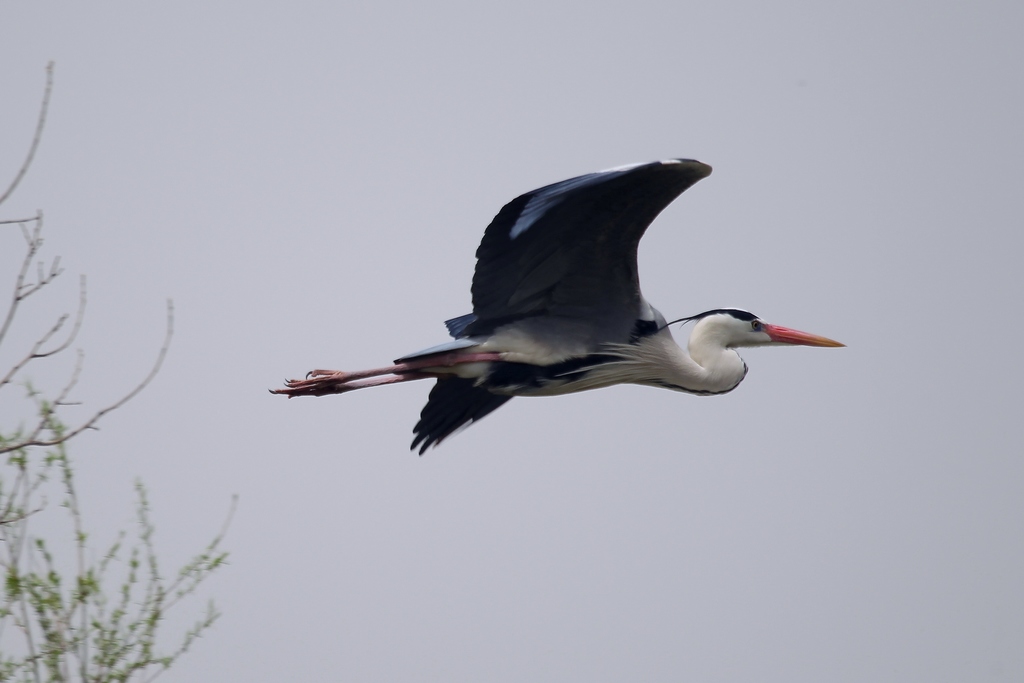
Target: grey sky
x,y
309,182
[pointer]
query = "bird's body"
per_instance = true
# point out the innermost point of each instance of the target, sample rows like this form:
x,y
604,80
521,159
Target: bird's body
x,y
557,309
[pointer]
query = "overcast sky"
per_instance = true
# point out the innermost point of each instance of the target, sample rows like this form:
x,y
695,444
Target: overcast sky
x,y
309,182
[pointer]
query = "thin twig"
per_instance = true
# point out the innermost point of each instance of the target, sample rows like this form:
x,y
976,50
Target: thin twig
x,y
34,440
34,243
34,353
40,123
175,590
72,381
6,517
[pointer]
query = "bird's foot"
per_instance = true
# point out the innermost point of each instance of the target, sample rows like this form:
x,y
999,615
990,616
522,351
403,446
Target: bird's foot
x,y
316,383
323,373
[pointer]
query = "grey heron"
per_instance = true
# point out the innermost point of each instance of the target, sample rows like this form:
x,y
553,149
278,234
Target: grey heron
x,y
557,308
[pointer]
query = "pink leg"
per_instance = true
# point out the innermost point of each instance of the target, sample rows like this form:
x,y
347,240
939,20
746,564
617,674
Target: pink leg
x,y
341,376
326,385
441,360
323,382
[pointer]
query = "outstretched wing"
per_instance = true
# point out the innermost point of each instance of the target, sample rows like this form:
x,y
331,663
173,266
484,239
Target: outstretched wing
x,y
454,403
569,249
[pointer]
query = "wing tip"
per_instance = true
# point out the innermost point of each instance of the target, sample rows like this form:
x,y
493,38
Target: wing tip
x,y
690,167
698,167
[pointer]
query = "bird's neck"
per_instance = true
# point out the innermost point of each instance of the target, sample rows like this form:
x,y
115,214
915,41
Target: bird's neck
x,y
708,368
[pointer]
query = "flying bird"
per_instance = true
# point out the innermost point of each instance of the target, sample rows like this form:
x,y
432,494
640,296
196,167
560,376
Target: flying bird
x,y
557,308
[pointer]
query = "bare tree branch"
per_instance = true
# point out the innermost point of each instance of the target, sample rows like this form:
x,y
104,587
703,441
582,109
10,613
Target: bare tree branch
x,y
34,437
79,316
40,123
34,242
35,353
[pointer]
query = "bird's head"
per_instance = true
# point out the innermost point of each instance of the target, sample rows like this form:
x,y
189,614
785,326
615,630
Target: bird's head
x,y
733,328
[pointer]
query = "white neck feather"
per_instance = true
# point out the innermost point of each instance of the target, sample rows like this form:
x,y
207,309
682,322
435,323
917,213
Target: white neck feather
x,y
709,368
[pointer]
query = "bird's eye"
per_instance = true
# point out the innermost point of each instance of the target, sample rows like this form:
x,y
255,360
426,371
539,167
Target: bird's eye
x,y
756,326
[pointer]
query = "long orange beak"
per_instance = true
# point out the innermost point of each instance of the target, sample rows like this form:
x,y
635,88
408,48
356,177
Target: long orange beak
x,y
784,335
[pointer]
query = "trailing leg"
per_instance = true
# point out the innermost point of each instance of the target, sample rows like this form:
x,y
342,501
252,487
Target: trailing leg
x,y
324,382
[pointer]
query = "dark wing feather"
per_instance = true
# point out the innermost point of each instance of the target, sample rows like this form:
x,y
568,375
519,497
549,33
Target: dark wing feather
x,y
569,249
456,326
454,403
